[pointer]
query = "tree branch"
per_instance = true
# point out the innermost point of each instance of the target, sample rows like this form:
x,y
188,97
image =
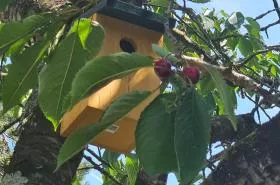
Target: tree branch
x,y
250,57
236,78
264,14
223,131
188,42
269,25
101,170
276,6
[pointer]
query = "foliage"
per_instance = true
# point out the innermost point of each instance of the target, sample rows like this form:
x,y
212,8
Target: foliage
x,y
58,54
123,168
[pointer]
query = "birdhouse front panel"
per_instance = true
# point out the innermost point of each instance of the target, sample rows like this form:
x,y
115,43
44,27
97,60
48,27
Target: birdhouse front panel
x,y
120,36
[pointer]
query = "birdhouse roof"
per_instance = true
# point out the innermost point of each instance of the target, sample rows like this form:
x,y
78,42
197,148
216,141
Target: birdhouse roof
x,y
135,15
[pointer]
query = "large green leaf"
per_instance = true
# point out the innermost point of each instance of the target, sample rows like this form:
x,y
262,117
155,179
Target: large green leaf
x,y
236,19
101,70
11,32
118,109
4,4
155,138
91,35
227,96
192,135
22,74
56,78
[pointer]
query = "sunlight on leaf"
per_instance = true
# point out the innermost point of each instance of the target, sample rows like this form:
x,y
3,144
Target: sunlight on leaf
x,y
102,70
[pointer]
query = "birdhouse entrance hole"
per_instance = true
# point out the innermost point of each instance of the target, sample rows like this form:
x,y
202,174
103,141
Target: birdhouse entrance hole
x,y
127,45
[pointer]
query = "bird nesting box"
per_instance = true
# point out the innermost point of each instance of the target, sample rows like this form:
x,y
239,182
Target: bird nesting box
x,y
127,29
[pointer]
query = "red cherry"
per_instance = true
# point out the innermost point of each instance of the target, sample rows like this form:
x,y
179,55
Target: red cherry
x,y
192,73
163,69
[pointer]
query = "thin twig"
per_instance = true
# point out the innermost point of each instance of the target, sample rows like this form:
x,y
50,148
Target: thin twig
x,y
187,41
265,28
6,127
86,168
250,57
237,78
97,157
101,170
258,105
264,14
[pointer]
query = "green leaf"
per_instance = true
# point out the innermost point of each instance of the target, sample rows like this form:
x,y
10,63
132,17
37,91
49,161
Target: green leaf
x,y
253,28
192,135
273,71
245,46
17,47
4,4
22,74
102,70
227,96
91,35
236,19
232,43
123,105
155,137
11,32
209,12
164,53
210,102
118,109
168,45
56,78
207,22
162,5
132,169
112,158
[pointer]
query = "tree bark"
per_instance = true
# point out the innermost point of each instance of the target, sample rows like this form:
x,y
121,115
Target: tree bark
x,y
36,153
254,160
144,179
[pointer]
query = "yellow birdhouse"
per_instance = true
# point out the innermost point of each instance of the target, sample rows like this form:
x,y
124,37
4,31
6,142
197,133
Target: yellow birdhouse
x,y
128,28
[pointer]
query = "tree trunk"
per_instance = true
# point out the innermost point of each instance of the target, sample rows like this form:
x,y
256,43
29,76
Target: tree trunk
x,y
254,160
36,152
144,179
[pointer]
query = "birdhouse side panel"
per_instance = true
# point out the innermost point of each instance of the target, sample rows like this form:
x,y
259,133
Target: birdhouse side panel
x,y
69,119
118,137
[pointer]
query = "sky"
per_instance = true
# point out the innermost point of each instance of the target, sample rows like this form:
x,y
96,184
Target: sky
x,y
249,8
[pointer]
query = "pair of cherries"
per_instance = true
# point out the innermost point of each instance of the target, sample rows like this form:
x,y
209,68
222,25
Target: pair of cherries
x,y
163,69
